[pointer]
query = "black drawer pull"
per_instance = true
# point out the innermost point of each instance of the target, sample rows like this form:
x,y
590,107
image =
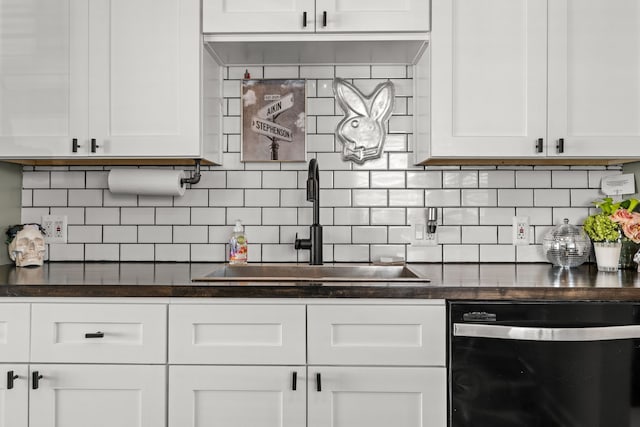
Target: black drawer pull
x,y
94,335
94,145
560,146
318,382
324,18
294,381
539,145
11,377
304,19
35,379
75,145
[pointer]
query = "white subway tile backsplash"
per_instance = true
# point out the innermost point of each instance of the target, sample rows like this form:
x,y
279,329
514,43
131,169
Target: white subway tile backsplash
x,y
480,234
261,198
144,252
406,198
172,216
497,253
190,234
366,210
352,216
351,253
50,198
136,215
570,179
120,234
460,179
206,216
31,179
385,179
66,252
155,233
461,253
479,197
84,234
513,197
101,216
533,179
101,252
496,179
369,234
67,179
437,198
551,197
388,216
173,253
279,216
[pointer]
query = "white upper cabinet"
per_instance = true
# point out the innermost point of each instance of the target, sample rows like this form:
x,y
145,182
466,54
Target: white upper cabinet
x,y
531,80
102,79
594,78
285,16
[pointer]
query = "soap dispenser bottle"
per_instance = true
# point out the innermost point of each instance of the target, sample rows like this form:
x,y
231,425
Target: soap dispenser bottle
x,y
238,245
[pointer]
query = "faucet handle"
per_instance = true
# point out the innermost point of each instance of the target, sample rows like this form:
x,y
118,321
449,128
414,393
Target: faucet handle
x,y
296,243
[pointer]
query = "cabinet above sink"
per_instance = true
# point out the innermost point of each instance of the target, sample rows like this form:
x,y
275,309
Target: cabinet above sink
x,y
316,32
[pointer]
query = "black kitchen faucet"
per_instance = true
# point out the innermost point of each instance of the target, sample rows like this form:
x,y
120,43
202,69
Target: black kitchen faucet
x,y
314,242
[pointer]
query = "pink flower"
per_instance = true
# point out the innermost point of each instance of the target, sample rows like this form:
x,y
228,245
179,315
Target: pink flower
x,y
629,222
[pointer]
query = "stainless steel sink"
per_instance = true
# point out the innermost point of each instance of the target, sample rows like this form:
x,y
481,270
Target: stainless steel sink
x,y
311,273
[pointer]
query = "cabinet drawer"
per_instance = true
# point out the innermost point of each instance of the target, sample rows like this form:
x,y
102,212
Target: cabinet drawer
x,y
376,335
99,333
237,334
14,332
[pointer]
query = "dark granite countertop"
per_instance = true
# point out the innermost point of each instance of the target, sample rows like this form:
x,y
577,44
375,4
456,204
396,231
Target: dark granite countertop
x,y
446,281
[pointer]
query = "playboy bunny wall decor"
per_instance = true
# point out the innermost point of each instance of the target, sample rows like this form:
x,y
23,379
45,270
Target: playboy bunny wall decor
x,y
363,129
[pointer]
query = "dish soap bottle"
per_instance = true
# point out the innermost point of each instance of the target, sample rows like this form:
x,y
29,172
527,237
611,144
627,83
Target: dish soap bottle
x,y
238,245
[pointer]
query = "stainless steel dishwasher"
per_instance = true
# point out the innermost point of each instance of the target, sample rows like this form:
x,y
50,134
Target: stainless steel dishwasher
x,y
541,364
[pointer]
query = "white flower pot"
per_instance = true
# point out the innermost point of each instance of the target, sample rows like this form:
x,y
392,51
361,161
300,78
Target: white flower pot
x,y
607,255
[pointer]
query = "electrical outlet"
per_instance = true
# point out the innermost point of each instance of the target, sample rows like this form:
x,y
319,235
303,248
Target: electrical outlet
x,y
521,230
420,236
55,227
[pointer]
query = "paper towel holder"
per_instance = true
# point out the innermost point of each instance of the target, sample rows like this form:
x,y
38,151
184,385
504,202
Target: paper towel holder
x,y
195,178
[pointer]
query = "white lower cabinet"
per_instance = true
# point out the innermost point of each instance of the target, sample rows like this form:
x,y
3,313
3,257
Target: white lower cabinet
x,y
353,364
14,395
237,396
97,396
377,397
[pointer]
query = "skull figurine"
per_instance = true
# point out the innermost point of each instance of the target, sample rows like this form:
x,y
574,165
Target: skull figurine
x,y
27,247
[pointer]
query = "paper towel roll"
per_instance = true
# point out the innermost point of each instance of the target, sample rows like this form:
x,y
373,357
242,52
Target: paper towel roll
x,y
150,182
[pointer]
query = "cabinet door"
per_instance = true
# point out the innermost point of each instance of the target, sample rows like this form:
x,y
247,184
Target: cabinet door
x,y
372,15
14,397
377,397
98,396
14,332
488,78
237,396
43,77
594,77
144,78
257,16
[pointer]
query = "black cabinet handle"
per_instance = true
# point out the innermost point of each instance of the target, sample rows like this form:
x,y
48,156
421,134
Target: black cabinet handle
x,y
75,145
11,377
35,380
318,382
560,145
94,145
94,335
304,19
540,145
294,381
324,18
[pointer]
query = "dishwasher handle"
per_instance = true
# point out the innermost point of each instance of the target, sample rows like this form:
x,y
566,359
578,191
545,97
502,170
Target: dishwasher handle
x,y
522,333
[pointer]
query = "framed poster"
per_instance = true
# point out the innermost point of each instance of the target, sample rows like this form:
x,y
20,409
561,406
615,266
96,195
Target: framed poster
x,y
274,121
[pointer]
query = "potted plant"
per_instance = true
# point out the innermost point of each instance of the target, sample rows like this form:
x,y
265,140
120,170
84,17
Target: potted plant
x,y
629,222
604,230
